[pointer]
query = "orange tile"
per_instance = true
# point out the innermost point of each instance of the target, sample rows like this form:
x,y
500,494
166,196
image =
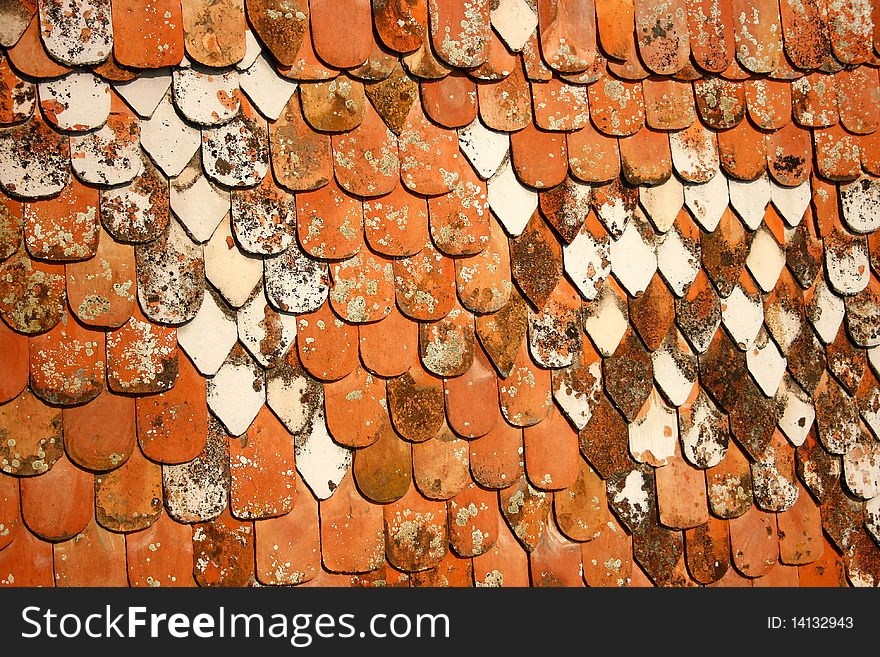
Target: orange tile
x,y
711,27
850,29
450,101
327,346
67,363
614,21
555,561
214,31
288,548
592,156
869,148
362,287
645,157
552,457
65,227
34,431
290,138
355,408
394,95
720,102
581,510
396,224
95,557
129,498
540,158
101,291
440,465
506,105
496,459
559,105
14,364
501,333
707,550
101,435
504,564
111,70
604,440
826,571
147,34
261,463
533,62
758,38
366,160
19,96
857,93
329,222
653,313
141,357
29,56
160,555
800,531
669,104
452,571
526,511
460,31
660,553
27,562
306,65
499,60
729,484
415,532
607,560
429,157
390,346
172,425
51,514
460,220
724,252
631,68
566,207
446,346
525,395
768,102
837,154
804,28
567,33
662,33
425,284
814,100
11,216
383,470
223,552
401,25
472,399
742,151
424,64
681,494
473,521
10,511
137,212
616,106
335,106
281,25
415,402
352,531
779,576
754,543
484,280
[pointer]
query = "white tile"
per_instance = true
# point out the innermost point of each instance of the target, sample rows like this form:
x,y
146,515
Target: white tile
x,y
145,92
707,201
265,333
484,148
742,314
511,202
653,434
209,336
766,363
750,199
766,259
237,392
206,96
790,202
796,413
514,21
268,91
233,272
662,203
197,202
169,140
587,262
633,260
78,101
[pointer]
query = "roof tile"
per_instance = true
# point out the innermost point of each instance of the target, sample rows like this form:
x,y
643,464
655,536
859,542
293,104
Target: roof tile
x,y
662,33
362,288
14,366
460,31
129,498
559,105
440,465
141,357
616,107
64,227
215,319
446,346
215,31
525,395
63,22
101,435
632,495
288,548
757,34
707,550
720,102
504,564
37,428
355,408
29,56
425,284
36,163
496,458
675,368
415,532
552,458
473,521
161,555
315,332
645,157
742,151
800,532
506,105
16,16
450,101
67,363
27,562
857,92
567,33
814,100
415,402
592,156
51,514
291,137
94,557
389,347
383,469
484,280
101,291
141,41
526,511
329,234
76,102
401,26
555,561
223,552
729,484
806,33
324,19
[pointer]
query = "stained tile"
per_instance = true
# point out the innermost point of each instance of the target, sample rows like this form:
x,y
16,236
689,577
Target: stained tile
x,y
856,91
223,552
675,368
65,227
27,562
16,16
35,160
94,557
64,22
720,102
614,204
679,254
31,294
237,391
67,363
29,56
459,220
729,485
425,284
592,156
215,34
401,25
707,551
366,160
616,107
742,151
483,281
35,431
265,333
754,542
136,212
289,138
496,458
504,564
236,153
460,31
633,256
76,102
334,106
525,395
415,402
473,521
645,157
129,498
446,346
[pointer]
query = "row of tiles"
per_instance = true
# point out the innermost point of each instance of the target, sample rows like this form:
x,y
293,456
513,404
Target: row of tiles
x,y
566,36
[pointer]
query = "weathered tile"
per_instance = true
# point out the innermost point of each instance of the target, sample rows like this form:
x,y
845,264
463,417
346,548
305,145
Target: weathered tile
x,y
729,484
552,458
754,543
606,319
142,39
366,160
334,106
281,25
51,514
294,396
67,363
720,102
592,156
301,157
679,254
35,160
633,255
742,151
76,102
512,203
675,368
355,408
394,97
506,105
326,345
63,24
65,227
525,395
496,458
707,551
330,223
136,212
415,402
265,333
110,155
616,107
352,531
16,16
441,466
450,101
94,557
237,153
29,57
446,346
129,498
215,32
758,34
223,552
742,312
161,555
35,431
425,284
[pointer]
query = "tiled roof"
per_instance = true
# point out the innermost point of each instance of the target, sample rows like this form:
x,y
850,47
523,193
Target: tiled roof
x,y
425,292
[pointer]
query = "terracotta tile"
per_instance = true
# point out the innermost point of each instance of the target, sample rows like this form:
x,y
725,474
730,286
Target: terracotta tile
x,y
473,521
366,160
857,100
817,469
396,224
446,346
237,153
800,532
846,261
402,26
842,518
660,552
814,100
857,198
281,25
698,313
607,559
861,313
355,408
703,429
429,159
290,138
631,67
669,104
415,532
223,552
335,106
707,551
415,401
859,467
836,417
567,34
502,332
160,555
779,576
560,106
424,64
263,218
67,363
653,432
681,494
34,429
616,107
633,497
214,31
425,284
506,105
870,153
95,442
450,101
394,96
27,562
389,347
472,399
206,96
16,16
754,543
581,510
757,34
846,362
614,21
54,516
614,204
101,291
604,440
752,418
555,332
645,158
142,41
62,25
536,260
826,571
577,388
729,484
460,31
496,458
769,103
773,476
653,313
19,96
78,101
362,287
14,365
849,26
525,395
668,53
316,331
804,27
499,63
288,548
29,56
484,280
552,459
170,275
11,226
383,469
742,151
95,557
65,227
628,375
720,102
198,490
129,498
566,207
711,29
526,511
504,564
555,561
452,571
141,357
237,392
120,139
329,235
592,156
